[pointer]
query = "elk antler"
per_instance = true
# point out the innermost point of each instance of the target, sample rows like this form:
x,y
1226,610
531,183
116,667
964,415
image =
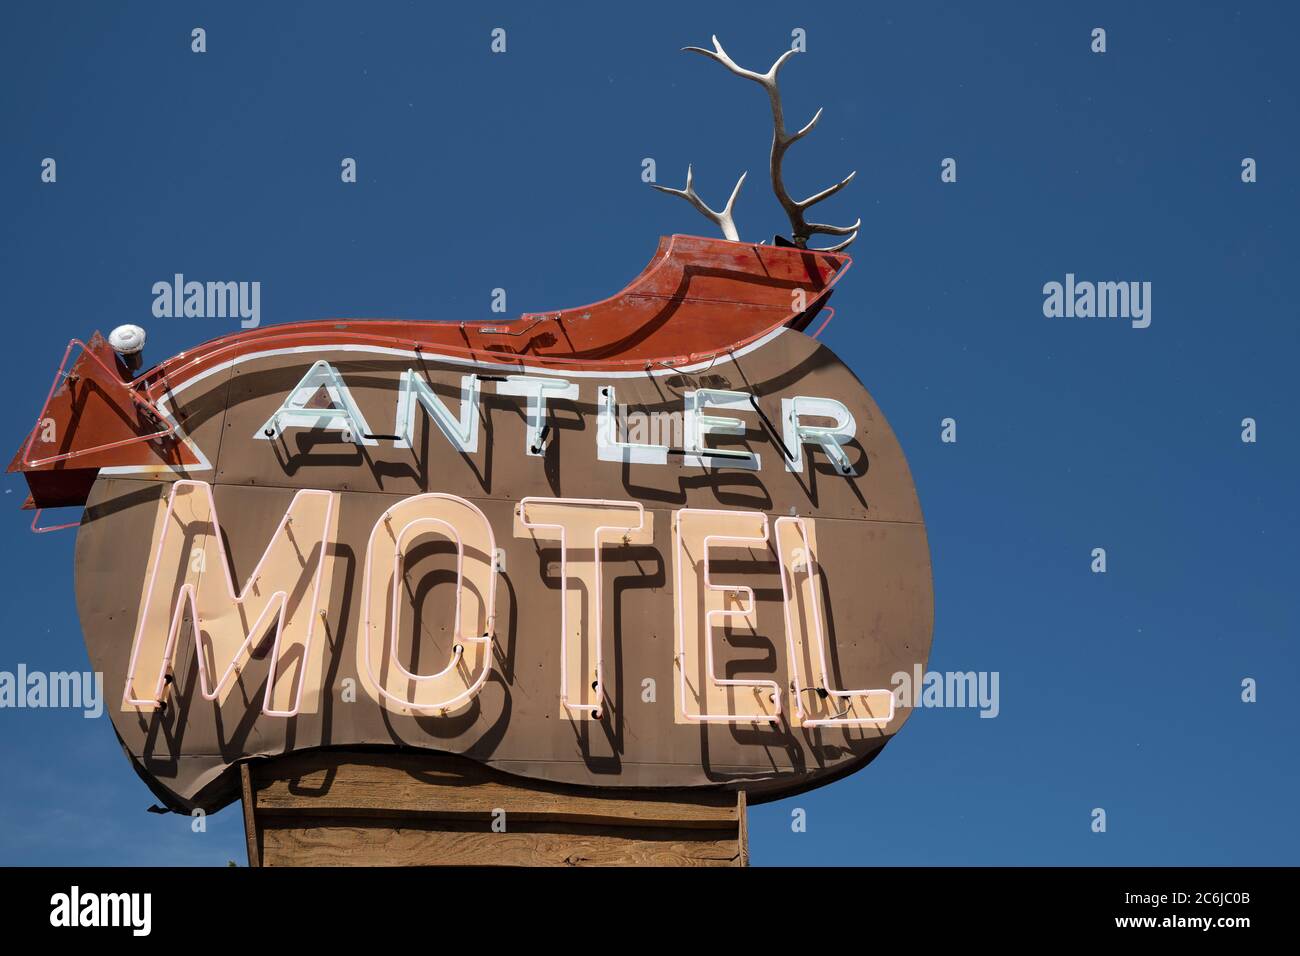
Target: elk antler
x,y
781,141
722,219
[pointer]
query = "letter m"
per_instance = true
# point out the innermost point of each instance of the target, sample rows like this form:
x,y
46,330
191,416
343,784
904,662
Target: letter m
x,y
1114,295
191,581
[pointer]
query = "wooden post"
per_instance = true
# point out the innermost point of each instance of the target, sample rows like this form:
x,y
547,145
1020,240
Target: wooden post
x,y
350,808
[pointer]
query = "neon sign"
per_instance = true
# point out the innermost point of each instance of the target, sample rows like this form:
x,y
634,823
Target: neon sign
x,y
296,559
458,538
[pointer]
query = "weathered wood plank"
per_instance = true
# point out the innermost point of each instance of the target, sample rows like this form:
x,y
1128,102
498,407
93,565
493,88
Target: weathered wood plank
x,y
742,826
250,815
406,785
351,842
346,808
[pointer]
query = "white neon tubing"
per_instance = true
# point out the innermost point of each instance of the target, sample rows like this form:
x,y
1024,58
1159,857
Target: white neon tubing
x,y
462,430
831,439
599,689
457,650
748,592
321,375
700,425
534,390
609,447
278,600
819,638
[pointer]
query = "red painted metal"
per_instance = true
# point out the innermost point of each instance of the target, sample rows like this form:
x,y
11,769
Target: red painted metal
x,y
139,398
697,298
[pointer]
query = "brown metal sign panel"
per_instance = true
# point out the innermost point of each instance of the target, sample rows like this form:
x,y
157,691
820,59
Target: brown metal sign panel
x,y
675,547
865,606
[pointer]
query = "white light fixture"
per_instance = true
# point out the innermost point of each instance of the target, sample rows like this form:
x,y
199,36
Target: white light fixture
x,y
128,342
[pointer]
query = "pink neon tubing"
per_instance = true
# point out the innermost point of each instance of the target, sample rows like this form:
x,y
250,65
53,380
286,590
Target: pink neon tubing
x,y
398,562
748,592
599,689
821,644
54,527
278,599
830,314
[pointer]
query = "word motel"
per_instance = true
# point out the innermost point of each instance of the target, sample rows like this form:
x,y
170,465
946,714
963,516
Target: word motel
x,y
287,595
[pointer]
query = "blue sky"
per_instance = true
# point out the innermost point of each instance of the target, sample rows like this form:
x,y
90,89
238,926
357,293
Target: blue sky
x,y
522,171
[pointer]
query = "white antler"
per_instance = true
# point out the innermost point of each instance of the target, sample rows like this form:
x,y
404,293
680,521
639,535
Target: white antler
x,y
781,141
722,219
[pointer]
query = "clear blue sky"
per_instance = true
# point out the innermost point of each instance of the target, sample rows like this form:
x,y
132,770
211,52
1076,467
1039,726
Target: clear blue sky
x,y
522,171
